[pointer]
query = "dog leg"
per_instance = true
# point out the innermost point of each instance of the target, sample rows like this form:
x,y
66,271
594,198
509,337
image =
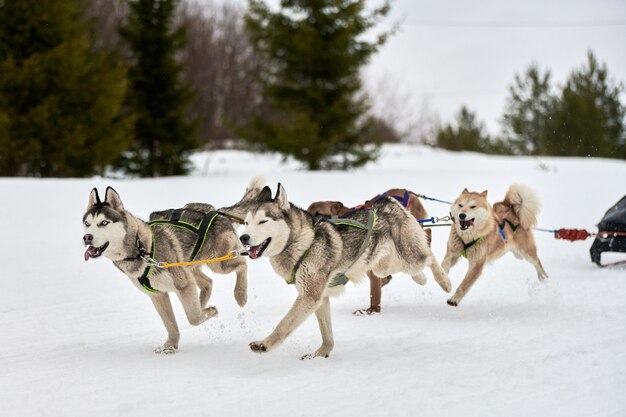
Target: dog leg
x,y
375,295
440,275
451,258
241,285
191,304
475,269
205,283
531,256
323,319
300,310
163,306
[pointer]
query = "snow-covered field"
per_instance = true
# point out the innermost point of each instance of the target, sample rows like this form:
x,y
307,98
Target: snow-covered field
x,y
77,337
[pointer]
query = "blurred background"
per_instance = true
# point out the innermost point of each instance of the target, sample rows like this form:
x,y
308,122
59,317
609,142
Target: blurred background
x,y
136,87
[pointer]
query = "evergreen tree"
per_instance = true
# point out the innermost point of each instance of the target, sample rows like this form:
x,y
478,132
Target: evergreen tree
x,y
528,111
467,135
60,100
312,52
158,94
589,118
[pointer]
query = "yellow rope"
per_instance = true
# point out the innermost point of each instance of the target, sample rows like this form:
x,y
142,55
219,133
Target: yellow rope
x,y
203,261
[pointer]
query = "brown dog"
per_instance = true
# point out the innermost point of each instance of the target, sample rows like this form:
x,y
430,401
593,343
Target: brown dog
x,y
408,199
482,233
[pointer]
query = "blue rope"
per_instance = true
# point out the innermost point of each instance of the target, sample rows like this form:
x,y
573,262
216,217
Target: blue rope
x,y
545,230
433,199
430,220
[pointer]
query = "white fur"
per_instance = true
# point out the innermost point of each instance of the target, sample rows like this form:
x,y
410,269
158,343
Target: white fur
x,y
260,227
113,233
525,203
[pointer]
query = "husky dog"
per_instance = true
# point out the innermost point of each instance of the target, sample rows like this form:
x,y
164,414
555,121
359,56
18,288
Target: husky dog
x,y
170,236
408,199
483,233
321,257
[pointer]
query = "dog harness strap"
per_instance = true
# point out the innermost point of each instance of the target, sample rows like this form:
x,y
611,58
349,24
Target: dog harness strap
x,y
466,246
341,278
505,222
292,279
202,232
347,222
144,279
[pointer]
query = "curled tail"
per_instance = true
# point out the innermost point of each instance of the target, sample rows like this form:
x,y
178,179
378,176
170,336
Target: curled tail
x,y
525,204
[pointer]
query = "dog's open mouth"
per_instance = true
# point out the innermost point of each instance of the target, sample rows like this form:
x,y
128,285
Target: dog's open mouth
x,y
466,224
256,251
93,252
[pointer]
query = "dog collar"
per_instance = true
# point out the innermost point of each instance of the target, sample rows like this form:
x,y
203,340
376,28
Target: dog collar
x,y
466,246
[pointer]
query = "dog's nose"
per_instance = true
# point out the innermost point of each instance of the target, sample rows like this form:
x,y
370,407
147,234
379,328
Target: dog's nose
x,y
245,239
462,216
88,239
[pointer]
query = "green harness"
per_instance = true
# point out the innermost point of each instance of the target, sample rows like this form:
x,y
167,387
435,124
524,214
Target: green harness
x,y
201,230
341,278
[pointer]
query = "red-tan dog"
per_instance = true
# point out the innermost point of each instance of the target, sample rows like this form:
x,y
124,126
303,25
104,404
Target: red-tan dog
x,y
408,199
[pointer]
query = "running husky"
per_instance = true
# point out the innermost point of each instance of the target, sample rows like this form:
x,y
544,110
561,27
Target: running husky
x,y
321,257
195,231
482,233
409,201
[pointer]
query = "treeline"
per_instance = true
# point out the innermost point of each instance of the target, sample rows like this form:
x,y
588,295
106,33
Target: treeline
x,y
583,117
135,86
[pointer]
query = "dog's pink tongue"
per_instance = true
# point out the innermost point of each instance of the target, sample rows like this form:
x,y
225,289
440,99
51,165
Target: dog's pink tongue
x,y
87,254
253,252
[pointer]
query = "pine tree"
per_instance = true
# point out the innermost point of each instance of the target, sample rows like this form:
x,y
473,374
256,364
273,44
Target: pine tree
x,y
312,52
528,111
589,118
164,138
60,101
467,135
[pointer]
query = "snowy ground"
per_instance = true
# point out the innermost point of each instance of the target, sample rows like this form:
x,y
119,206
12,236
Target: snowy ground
x,y
78,337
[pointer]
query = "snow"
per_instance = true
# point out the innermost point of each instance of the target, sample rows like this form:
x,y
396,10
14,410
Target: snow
x,y
78,337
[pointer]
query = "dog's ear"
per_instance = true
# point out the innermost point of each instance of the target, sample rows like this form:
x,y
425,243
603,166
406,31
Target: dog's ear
x,y
281,197
265,195
483,194
465,191
113,199
94,198
336,208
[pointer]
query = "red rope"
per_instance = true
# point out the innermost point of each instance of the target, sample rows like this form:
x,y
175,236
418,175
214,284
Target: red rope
x,y
572,234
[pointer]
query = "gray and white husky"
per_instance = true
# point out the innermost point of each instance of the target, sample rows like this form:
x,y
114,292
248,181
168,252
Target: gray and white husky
x,y
320,257
196,231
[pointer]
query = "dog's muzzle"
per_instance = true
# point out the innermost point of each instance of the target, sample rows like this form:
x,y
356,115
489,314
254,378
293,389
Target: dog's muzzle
x,y
256,251
93,252
466,224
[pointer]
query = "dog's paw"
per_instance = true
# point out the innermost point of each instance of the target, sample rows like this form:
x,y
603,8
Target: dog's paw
x,y
166,349
452,303
366,311
258,347
241,296
211,311
317,354
420,278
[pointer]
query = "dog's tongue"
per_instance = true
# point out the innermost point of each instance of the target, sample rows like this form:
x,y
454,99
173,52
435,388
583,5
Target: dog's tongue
x,y
89,251
253,251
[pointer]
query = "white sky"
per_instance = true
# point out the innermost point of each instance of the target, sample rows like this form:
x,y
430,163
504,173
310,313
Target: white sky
x,y
453,52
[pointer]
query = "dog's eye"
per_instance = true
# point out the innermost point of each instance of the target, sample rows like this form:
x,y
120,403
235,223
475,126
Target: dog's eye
x,y
263,221
86,223
104,222
245,223
461,205
472,207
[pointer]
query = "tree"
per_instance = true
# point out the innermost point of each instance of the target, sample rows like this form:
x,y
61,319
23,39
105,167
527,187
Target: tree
x,y
61,101
467,135
164,138
312,51
588,119
528,111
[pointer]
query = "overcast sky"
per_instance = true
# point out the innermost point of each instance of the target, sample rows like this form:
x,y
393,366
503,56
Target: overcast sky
x,y
453,52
